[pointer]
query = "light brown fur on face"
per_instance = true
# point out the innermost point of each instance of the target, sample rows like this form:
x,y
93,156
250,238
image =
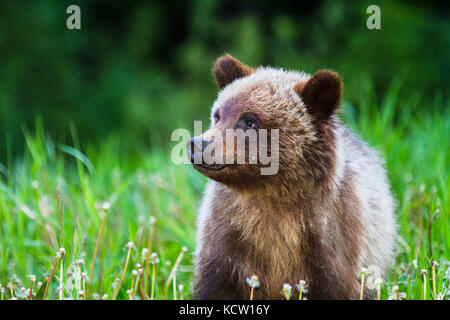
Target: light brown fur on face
x,y
310,221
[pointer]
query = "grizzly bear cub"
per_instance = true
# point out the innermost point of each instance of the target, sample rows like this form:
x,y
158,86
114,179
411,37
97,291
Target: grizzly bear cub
x,y
325,214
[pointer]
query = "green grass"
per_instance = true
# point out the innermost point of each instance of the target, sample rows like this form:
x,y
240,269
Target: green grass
x,y
30,228
145,183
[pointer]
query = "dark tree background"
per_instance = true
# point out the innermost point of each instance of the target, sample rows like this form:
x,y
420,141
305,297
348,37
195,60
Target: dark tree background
x,y
142,69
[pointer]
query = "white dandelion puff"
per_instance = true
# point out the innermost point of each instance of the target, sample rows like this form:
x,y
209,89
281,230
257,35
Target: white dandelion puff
x,y
287,291
253,281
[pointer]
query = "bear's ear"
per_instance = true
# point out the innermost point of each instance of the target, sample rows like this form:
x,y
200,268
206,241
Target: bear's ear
x,y
321,94
227,69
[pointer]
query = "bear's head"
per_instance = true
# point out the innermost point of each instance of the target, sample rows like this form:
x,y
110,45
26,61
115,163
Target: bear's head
x,y
286,115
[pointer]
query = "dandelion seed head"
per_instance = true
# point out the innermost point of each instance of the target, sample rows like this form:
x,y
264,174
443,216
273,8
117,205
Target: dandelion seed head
x,y
32,278
144,252
287,290
301,285
134,273
184,249
154,258
130,245
395,288
363,271
434,264
105,297
180,287
253,281
152,220
423,271
61,252
106,206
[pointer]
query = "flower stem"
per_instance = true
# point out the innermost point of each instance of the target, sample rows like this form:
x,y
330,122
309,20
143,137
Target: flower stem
x,y
91,271
174,287
136,285
51,276
31,291
124,271
362,287
174,269
142,288
152,295
61,274
424,286
433,275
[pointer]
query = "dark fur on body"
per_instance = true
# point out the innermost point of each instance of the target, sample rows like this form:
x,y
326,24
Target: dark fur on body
x,y
324,255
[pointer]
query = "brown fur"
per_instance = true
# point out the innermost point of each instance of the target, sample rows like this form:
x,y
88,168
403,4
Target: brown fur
x,y
254,234
291,226
228,69
321,94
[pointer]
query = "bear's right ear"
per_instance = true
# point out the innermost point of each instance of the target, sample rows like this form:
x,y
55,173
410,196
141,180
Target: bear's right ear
x,y
321,94
227,69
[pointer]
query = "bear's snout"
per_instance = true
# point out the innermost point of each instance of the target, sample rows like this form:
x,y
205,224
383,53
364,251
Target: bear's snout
x,y
202,155
196,146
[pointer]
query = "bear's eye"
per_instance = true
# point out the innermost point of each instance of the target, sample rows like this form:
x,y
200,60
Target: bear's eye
x,y
249,123
216,117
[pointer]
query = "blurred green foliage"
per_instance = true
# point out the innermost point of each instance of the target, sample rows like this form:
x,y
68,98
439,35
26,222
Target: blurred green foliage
x,y
143,68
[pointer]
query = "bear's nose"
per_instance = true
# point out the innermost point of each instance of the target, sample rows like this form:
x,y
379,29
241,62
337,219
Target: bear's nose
x,y
196,147
198,144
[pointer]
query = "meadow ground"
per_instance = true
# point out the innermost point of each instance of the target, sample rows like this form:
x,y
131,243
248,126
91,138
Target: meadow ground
x,y
57,196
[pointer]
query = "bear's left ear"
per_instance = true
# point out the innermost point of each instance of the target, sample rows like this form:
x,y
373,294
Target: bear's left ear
x,y
321,94
227,69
